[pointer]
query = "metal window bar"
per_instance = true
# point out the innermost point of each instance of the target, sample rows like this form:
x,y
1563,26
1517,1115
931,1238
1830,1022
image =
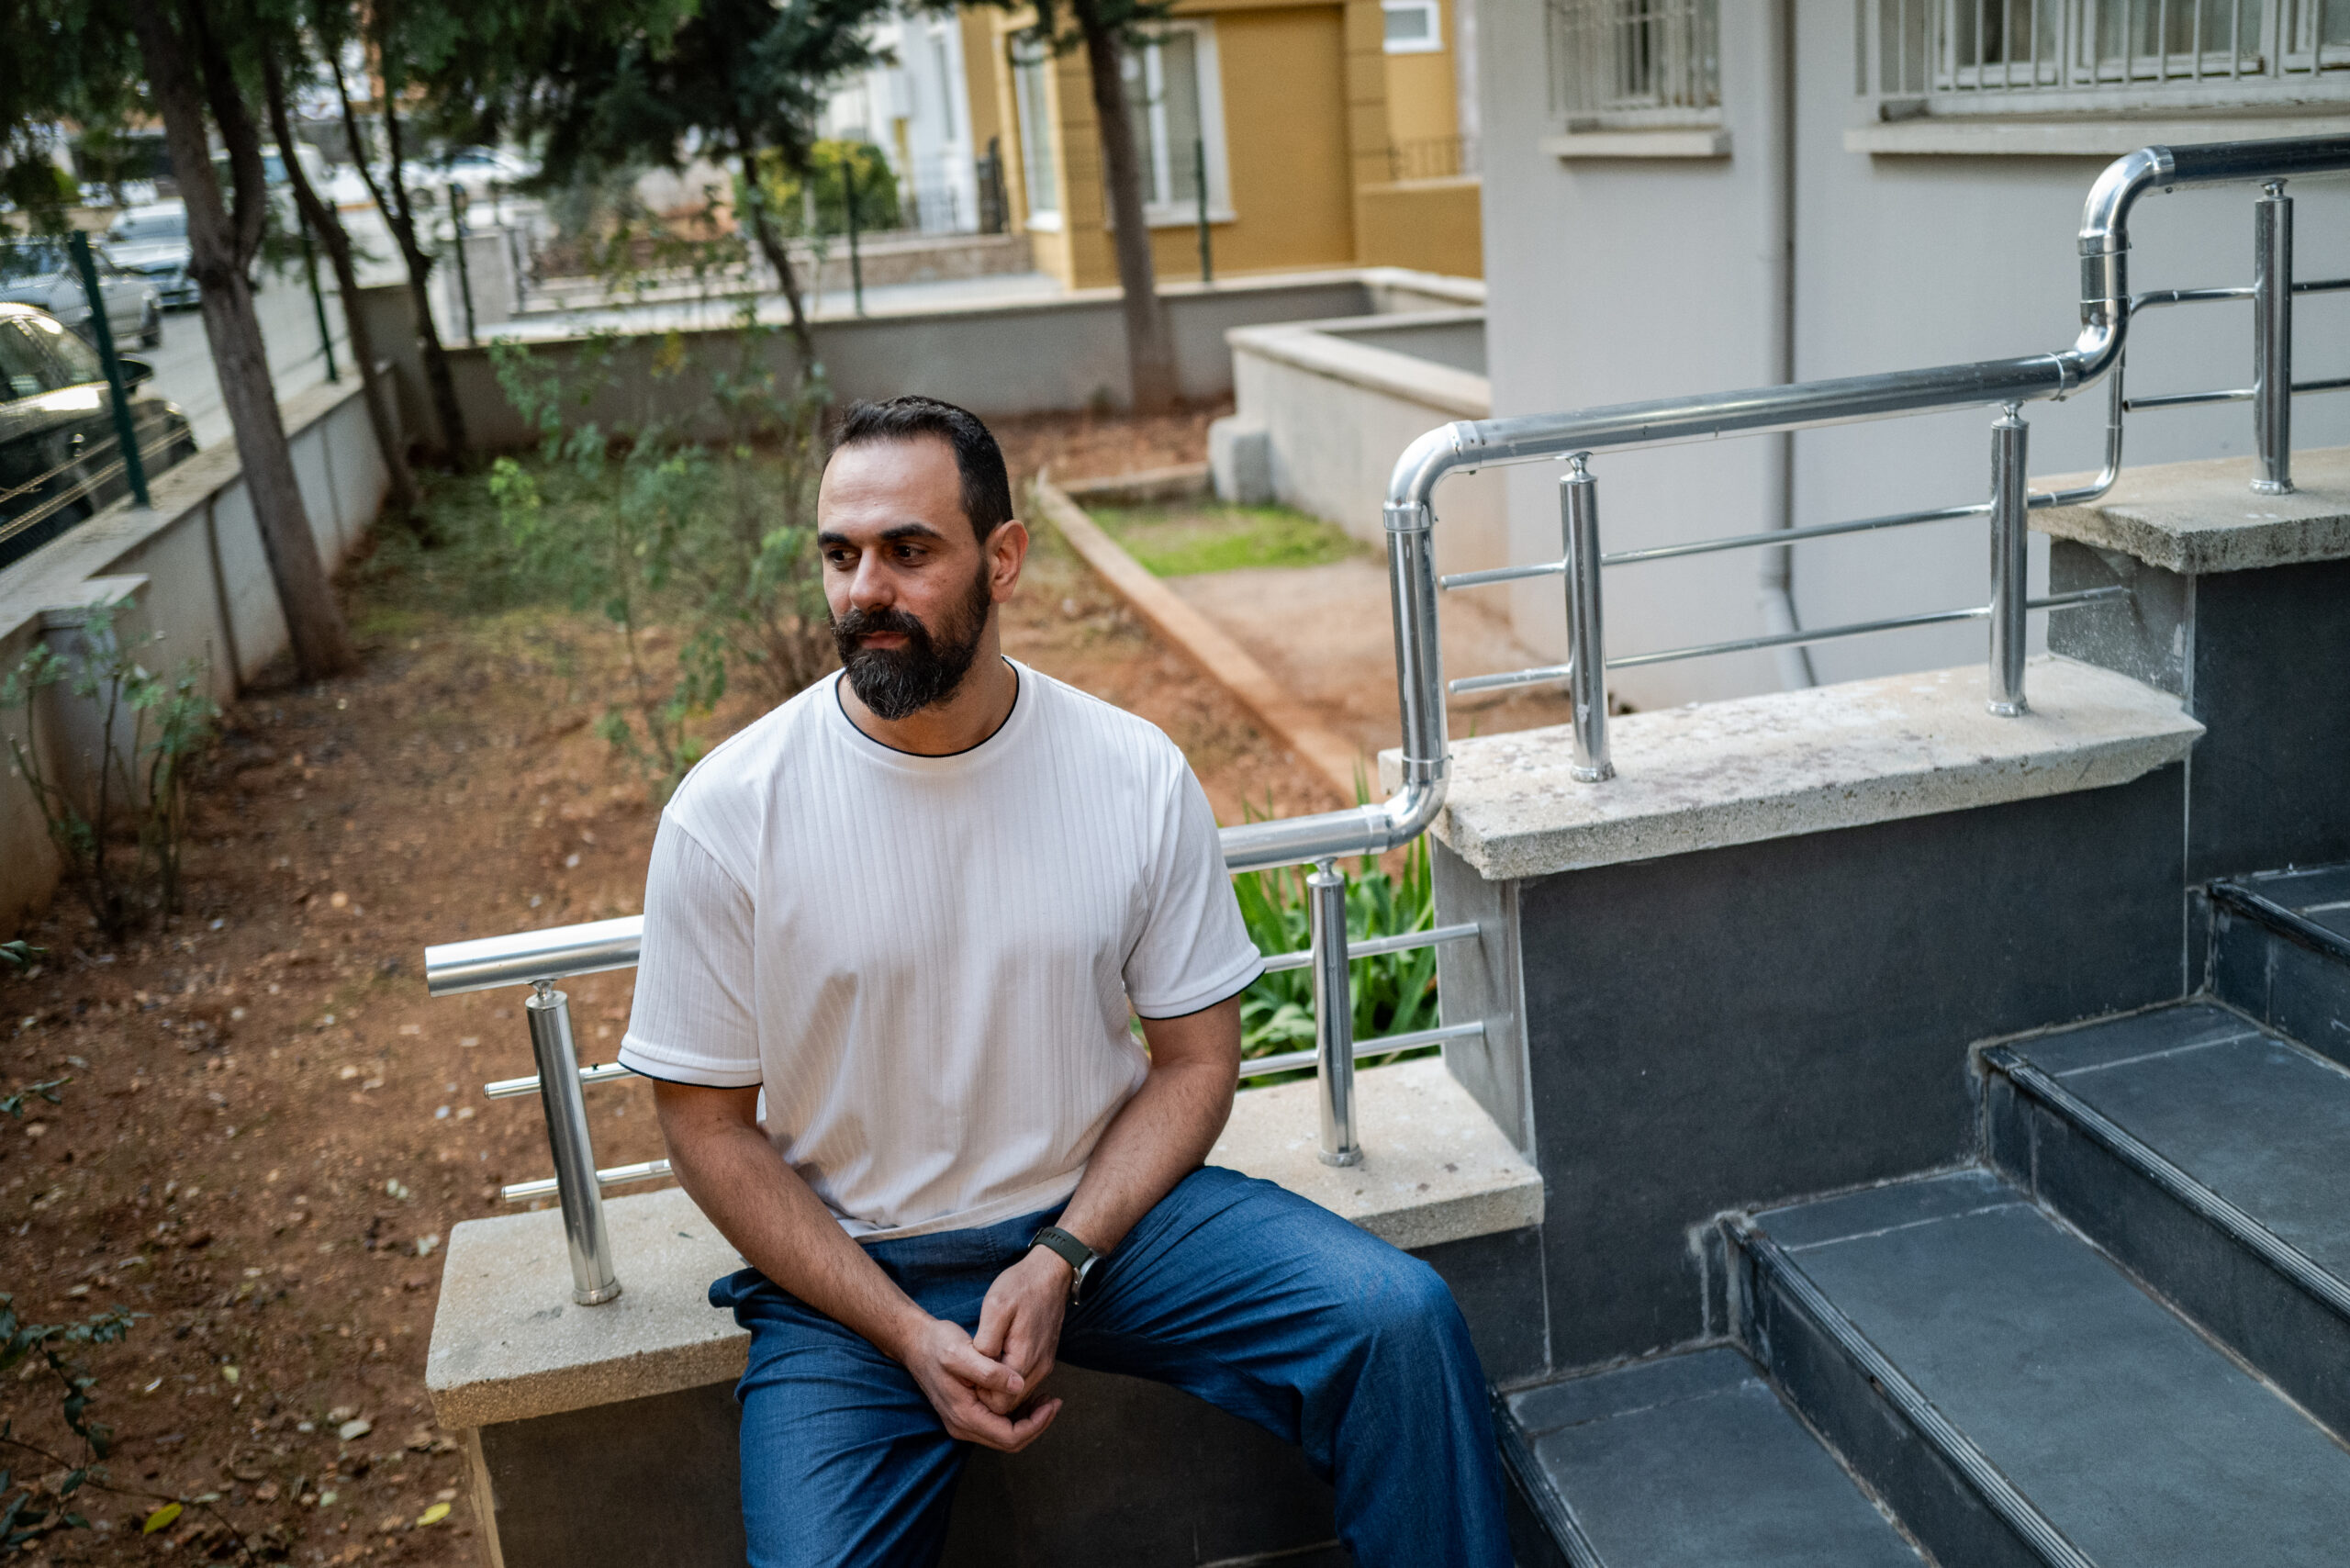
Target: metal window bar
x,y
1409,519
1996,53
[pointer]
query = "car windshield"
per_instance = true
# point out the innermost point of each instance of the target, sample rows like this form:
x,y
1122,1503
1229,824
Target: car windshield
x,y
150,226
29,258
74,357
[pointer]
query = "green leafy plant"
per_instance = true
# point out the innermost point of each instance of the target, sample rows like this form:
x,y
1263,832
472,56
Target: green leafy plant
x,y
1394,994
711,545
139,784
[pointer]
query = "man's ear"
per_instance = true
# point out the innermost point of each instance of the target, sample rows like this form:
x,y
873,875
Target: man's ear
x,y
1007,551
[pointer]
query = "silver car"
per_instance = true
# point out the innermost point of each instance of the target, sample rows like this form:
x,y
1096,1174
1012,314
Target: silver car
x,y
40,271
152,241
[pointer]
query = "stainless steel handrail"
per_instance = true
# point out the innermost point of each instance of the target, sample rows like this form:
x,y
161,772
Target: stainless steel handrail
x,y
538,957
2096,353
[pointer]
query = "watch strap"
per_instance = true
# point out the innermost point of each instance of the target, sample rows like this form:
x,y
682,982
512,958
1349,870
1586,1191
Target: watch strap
x,y
1071,1250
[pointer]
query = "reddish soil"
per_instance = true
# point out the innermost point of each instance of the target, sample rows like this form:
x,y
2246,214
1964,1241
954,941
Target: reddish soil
x,y
270,1129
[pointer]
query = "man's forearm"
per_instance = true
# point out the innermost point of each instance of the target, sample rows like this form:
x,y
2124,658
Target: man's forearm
x,y
762,1206
1160,1136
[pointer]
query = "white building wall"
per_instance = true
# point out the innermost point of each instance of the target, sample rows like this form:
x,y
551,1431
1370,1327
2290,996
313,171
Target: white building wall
x,y
1620,279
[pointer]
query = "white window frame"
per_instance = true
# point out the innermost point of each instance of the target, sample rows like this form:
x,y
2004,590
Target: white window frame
x,y
1028,117
1173,214
1431,43
1683,89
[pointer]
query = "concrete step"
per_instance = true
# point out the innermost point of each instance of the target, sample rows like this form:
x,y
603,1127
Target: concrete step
x,y
2213,1159
2280,951
2018,1399
1686,1461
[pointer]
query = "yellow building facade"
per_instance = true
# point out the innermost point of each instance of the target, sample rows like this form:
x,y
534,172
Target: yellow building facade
x,y
1319,135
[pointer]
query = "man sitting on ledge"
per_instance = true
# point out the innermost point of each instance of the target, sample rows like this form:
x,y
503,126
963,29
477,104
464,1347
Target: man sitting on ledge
x,y
909,910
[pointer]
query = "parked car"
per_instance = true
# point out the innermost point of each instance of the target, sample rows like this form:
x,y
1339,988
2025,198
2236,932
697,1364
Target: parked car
x,y
40,272
152,241
60,459
476,169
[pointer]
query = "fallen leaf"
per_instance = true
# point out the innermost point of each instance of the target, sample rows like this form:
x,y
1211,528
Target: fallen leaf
x,y
355,1428
161,1518
432,1516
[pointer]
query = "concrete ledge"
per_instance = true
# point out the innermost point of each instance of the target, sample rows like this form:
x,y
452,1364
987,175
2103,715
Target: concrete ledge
x,y
1435,1169
509,1345
1697,142
1717,774
1308,346
1984,135
2193,518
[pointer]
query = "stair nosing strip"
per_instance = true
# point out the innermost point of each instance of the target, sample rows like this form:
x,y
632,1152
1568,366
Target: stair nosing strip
x,y
2271,1249
1999,1494
1557,1514
2289,923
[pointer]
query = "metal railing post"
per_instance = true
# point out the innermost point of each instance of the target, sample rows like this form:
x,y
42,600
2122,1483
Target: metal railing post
x,y
1586,638
458,203
593,1281
318,300
1334,1013
2272,340
126,425
1200,180
2010,533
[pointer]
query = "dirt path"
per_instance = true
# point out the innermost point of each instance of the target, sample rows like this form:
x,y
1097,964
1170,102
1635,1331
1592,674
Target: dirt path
x,y
270,1128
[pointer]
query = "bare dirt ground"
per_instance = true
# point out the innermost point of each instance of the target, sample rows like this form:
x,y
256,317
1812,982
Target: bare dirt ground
x,y
270,1129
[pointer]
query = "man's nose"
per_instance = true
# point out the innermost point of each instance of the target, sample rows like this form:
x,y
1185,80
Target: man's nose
x,y
869,587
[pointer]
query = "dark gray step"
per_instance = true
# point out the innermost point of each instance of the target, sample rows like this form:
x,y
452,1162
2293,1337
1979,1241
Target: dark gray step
x,y
2280,951
2214,1161
1687,1461
2018,1400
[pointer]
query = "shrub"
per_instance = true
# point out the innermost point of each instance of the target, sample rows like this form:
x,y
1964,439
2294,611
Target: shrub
x,y
141,786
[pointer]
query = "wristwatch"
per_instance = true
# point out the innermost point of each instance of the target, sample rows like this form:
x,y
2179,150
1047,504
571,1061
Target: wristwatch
x,y
1073,1252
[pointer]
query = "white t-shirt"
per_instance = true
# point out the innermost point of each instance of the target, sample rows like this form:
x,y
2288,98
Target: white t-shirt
x,y
926,962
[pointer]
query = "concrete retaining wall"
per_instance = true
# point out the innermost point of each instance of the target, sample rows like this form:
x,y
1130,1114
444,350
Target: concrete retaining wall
x,y
1029,357
194,569
1340,405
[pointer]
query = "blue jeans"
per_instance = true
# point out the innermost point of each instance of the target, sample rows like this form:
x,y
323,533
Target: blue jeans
x,y
1231,1289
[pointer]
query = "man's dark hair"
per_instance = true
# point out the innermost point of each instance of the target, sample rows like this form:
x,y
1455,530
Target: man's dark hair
x,y
987,488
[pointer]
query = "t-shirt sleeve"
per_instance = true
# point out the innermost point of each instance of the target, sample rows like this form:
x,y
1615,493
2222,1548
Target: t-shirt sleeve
x,y
1194,949
692,1021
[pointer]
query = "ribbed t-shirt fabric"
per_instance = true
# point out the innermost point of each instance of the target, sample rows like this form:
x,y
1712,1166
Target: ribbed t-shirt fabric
x,y
926,962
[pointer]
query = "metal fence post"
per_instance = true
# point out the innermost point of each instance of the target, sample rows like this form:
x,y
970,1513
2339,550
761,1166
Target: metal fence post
x,y
1586,636
2272,339
318,302
593,1281
856,259
2011,515
126,431
458,202
1200,181
1334,1013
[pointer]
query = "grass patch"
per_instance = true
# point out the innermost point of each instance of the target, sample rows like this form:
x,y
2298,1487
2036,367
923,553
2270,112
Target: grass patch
x,y
1192,537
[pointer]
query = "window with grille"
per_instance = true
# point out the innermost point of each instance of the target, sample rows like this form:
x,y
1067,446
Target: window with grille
x,y
1036,169
1171,95
2055,54
1629,62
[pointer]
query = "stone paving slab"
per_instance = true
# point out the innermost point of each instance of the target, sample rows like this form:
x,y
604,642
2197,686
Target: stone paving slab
x,y
2203,517
1710,775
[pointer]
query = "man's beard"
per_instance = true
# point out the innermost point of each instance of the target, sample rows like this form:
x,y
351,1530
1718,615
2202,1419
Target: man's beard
x,y
895,683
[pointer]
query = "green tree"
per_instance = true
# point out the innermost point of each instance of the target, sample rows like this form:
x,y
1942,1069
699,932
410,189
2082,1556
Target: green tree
x,y
740,82
84,61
